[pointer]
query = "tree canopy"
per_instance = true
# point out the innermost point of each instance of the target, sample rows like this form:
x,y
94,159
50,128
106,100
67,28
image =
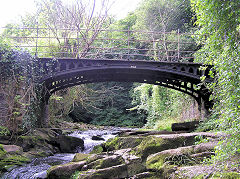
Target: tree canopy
x,y
219,22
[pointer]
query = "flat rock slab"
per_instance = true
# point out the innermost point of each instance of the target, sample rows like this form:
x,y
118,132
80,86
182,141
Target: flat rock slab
x,y
158,160
203,134
12,149
201,171
64,171
185,126
119,171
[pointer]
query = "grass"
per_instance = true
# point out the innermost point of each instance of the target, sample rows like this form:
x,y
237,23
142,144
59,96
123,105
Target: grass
x,y
165,124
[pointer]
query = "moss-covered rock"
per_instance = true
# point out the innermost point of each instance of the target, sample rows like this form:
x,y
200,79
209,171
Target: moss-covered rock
x,y
4,131
112,144
119,171
152,144
123,143
13,149
180,156
169,157
29,142
107,161
12,160
97,149
157,143
64,171
34,153
95,157
48,134
2,152
80,157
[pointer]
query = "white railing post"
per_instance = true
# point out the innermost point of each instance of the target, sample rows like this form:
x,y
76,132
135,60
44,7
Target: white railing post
x,y
36,52
128,42
178,45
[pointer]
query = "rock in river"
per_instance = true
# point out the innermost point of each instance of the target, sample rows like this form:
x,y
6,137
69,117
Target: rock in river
x,y
69,144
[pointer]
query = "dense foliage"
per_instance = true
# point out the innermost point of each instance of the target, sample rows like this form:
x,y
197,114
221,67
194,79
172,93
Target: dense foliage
x,y
111,103
17,76
219,21
161,104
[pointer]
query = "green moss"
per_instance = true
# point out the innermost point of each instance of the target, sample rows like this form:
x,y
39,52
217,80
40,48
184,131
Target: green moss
x,y
112,144
149,146
42,154
97,149
2,152
156,162
12,160
152,144
75,175
108,162
32,139
4,131
80,157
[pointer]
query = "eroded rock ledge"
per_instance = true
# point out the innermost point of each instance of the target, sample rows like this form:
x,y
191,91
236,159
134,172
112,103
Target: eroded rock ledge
x,y
141,155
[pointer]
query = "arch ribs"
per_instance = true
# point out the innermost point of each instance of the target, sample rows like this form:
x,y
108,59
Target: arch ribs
x,y
185,77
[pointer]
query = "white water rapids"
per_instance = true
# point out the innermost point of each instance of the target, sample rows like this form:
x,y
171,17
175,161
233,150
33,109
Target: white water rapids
x,y
37,169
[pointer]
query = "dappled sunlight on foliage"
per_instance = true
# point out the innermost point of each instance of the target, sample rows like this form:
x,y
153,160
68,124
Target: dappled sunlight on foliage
x,y
219,22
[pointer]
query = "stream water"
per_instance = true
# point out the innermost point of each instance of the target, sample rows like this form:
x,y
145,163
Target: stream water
x,y
39,166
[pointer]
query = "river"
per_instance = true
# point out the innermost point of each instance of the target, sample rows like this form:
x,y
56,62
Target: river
x,y
38,167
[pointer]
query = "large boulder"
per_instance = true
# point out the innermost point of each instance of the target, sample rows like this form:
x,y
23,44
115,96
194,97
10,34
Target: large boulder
x,y
113,172
69,144
179,156
185,126
30,142
105,162
116,164
48,134
134,163
64,171
157,143
13,149
118,143
80,157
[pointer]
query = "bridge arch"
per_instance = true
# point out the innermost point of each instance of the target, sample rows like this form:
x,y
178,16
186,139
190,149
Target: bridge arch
x,y
64,73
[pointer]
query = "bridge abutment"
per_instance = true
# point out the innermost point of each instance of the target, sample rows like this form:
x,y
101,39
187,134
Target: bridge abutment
x,y
44,115
203,108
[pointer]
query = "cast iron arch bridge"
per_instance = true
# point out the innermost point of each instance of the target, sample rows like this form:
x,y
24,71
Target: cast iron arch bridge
x,y
72,57
183,77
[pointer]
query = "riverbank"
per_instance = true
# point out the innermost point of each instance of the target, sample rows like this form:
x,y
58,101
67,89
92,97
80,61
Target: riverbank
x,y
46,147
132,154
158,154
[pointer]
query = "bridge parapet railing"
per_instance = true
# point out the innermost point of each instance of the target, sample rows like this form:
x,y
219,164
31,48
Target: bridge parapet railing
x,y
103,43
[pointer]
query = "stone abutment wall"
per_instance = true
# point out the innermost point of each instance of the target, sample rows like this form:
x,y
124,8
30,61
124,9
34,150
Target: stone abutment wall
x,y
3,109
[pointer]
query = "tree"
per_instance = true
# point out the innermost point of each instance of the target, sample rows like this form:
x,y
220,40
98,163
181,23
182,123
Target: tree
x,y
219,27
168,18
164,15
18,71
75,26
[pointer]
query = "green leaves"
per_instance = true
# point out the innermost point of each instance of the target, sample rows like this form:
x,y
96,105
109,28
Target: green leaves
x,y
219,22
